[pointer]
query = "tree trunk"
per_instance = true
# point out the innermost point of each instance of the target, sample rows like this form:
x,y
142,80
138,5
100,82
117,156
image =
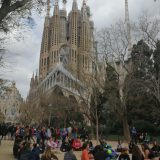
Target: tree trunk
x,y
92,130
126,131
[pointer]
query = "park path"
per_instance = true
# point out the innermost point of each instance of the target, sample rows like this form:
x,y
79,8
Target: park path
x,y
6,150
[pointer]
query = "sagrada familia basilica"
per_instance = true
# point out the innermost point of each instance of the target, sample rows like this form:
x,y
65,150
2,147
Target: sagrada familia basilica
x,y
68,52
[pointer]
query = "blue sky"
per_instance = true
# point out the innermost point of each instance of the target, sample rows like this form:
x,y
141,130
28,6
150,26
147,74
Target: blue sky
x,y
23,55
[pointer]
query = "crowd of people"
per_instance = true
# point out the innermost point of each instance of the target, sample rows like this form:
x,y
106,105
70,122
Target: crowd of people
x,y
42,143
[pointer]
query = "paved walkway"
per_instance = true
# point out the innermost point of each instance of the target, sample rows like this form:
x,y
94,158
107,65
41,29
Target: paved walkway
x,y
6,152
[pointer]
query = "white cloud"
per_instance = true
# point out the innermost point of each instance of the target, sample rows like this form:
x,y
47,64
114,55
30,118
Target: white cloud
x,y
24,54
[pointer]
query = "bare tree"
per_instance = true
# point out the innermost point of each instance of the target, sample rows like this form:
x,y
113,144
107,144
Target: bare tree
x,y
89,95
148,29
14,15
115,46
2,117
31,113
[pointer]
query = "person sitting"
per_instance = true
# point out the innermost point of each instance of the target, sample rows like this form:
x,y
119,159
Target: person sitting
x,y
41,146
51,143
148,154
64,145
48,154
103,143
147,138
141,138
35,152
111,154
100,154
131,144
69,155
85,152
124,155
136,153
26,153
91,147
155,148
119,146
77,144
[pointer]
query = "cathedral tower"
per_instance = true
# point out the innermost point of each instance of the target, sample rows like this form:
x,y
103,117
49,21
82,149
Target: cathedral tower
x,y
44,54
55,37
85,48
67,40
74,18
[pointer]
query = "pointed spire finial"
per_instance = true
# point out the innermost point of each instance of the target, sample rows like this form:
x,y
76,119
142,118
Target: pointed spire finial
x,y
74,6
56,7
48,8
84,2
36,72
84,10
33,75
56,2
64,4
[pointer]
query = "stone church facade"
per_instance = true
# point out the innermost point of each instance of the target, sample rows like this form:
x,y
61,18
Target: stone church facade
x,y
68,52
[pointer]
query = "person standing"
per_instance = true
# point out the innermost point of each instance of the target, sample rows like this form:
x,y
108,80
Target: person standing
x,y
134,135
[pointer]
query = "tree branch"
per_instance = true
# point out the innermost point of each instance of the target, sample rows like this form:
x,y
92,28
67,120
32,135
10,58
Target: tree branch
x,y
6,8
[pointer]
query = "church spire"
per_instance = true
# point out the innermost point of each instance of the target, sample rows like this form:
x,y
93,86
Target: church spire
x,y
64,4
56,7
48,8
84,2
32,80
128,27
84,11
74,5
